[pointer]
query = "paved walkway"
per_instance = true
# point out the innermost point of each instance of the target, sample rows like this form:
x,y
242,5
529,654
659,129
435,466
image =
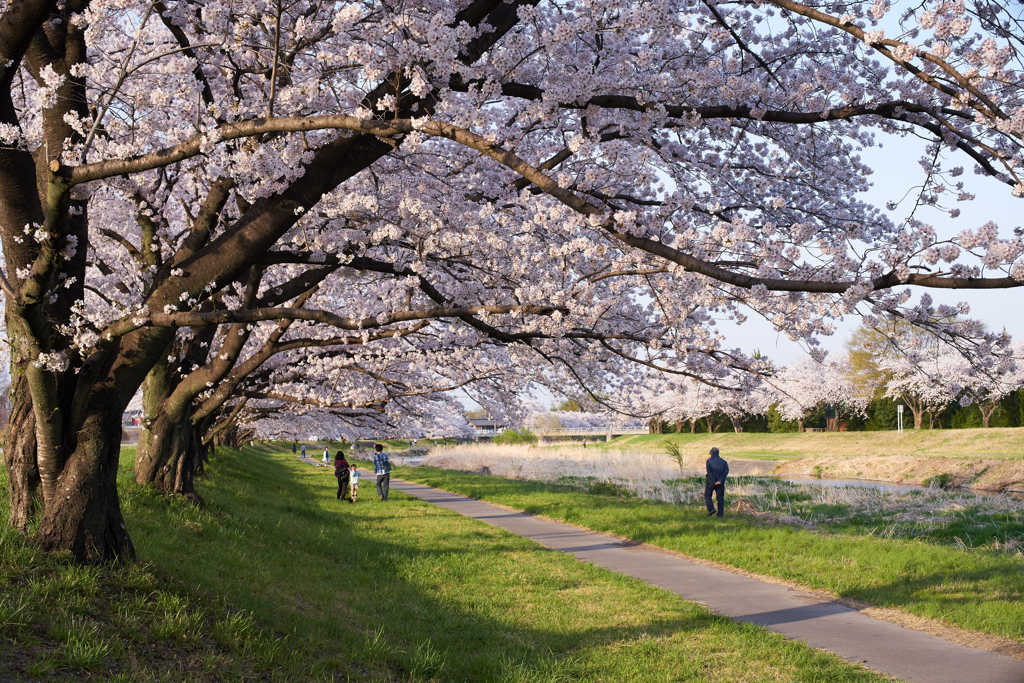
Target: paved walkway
x,y
879,645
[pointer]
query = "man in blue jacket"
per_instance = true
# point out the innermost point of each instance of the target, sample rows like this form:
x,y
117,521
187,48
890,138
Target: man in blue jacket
x,y
718,470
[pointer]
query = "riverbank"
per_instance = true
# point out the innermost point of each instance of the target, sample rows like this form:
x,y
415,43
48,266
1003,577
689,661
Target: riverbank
x,y
986,459
939,512
977,587
987,474
995,443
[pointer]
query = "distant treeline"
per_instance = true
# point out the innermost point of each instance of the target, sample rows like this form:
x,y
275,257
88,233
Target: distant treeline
x,y
881,415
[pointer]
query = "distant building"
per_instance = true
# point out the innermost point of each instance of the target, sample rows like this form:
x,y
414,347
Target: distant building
x,y
485,427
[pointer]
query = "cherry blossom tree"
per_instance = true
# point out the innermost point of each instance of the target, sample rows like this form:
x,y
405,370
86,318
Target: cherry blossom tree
x,y
591,183
987,389
930,378
801,387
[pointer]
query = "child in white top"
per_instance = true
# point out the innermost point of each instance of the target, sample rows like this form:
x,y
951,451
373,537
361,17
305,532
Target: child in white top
x,y
353,483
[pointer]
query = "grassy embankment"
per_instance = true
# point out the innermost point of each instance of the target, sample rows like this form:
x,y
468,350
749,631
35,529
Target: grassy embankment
x,y
979,589
275,578
979,458
949,443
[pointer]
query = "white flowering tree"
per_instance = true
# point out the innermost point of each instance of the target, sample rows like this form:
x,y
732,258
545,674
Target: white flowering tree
x,y
927,380
799,388
588,181
987,388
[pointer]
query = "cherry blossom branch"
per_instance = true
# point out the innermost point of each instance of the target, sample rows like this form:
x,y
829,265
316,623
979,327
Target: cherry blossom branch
x,y
510,160
882,47
220,317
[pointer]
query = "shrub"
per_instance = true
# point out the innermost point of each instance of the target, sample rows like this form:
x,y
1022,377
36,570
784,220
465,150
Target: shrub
x,y
516,436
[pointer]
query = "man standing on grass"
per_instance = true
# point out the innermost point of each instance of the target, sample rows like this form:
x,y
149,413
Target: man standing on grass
x,y
717,471
382,468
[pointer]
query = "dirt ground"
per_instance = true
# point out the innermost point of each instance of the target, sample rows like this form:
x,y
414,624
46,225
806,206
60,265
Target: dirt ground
x,y
981,473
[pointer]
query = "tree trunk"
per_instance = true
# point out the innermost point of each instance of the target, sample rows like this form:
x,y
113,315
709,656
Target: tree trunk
x,y
19,445
800,425
918,416
167,455
737,425
986,412
693,426
84,516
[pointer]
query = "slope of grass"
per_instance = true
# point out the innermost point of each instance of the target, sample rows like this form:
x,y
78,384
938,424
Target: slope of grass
x,y
990,443
979,590
275,578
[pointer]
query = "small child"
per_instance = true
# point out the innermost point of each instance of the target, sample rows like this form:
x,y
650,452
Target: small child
x,y
353,484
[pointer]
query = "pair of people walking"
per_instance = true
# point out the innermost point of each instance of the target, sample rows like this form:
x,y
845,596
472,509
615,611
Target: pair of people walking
x,y
348,476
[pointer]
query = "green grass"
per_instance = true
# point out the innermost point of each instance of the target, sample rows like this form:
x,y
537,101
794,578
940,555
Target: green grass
x,y
980,590
934,515
957,443
277,579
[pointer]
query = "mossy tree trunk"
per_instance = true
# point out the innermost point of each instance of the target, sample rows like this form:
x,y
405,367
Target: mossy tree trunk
x,y
19,445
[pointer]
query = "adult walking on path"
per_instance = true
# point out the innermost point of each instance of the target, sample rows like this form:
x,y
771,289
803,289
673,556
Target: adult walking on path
x,y
382,468
717,471
341,473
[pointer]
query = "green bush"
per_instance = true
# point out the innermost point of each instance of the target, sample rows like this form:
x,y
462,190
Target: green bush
x,y
777,424
516,436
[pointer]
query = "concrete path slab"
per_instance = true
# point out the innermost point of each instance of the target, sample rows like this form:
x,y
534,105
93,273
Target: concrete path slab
x,y
879,645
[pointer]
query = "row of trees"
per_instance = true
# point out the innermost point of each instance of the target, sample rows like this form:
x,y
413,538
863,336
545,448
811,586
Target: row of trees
x,y
905,368
275,217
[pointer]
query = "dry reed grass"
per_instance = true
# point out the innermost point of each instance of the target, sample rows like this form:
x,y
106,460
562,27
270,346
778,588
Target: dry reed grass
x,y
654,476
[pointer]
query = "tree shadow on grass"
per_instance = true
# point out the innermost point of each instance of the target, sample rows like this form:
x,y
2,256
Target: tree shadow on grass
x,y
992,589
401,589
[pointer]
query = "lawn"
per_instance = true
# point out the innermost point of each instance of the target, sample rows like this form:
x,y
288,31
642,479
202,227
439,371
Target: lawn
x,y
982,590
954,443
275,578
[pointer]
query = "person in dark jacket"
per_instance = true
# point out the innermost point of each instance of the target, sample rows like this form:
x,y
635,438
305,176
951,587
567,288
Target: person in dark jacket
x,y
717,471
341,473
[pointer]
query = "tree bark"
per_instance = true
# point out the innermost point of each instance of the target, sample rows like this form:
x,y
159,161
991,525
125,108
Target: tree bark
x,y
84,516
170,457
918,413
986,412
168,453
19,446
